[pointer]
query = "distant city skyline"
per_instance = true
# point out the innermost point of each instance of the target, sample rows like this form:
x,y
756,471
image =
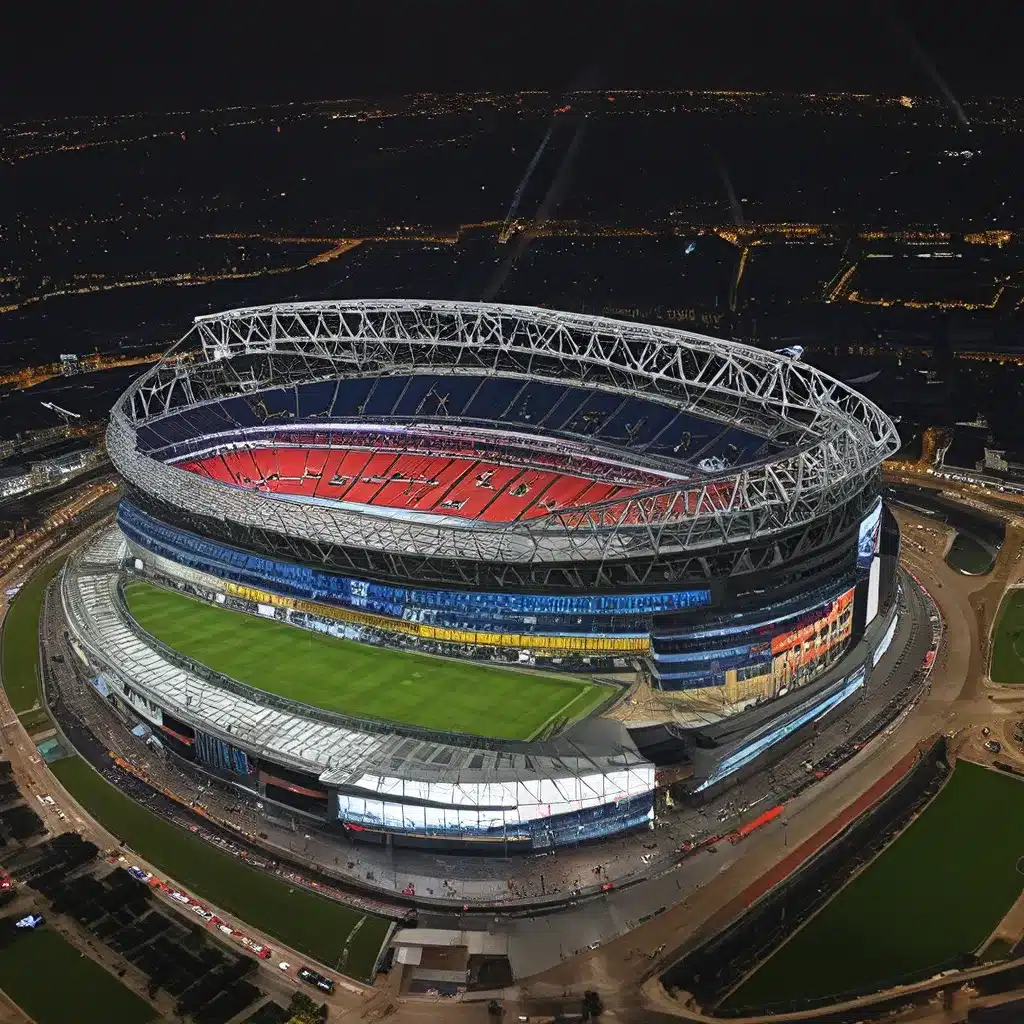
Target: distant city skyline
x,y
148,58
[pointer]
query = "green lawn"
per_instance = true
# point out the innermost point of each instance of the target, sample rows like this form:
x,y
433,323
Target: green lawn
x,y
357,679
54,984
938,891
1008,640
309,923
19,645
969,556
36,721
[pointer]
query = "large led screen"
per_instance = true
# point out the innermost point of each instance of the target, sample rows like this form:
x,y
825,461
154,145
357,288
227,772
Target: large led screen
x,y
874,588
870,536
723,680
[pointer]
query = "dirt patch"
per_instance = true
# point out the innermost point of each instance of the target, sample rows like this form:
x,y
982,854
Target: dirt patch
x,y
1012,750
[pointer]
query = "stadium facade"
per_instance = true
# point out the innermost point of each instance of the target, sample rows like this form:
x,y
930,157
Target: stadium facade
x,y
501,483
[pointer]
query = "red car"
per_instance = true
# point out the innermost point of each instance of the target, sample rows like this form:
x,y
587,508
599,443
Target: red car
x,y
5,882
263,952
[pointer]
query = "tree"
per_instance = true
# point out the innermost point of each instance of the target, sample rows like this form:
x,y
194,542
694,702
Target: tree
x,y
304,1011
592,1005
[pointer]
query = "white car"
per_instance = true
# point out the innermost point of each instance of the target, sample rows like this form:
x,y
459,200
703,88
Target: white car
x,y
179,896
284,966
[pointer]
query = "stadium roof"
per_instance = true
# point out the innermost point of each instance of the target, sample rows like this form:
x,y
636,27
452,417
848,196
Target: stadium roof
x,y
838,437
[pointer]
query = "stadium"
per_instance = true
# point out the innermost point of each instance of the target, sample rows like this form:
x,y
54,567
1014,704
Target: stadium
x,y
469,575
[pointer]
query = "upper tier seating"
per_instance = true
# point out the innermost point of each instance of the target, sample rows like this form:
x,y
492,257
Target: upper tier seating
x,y
641,425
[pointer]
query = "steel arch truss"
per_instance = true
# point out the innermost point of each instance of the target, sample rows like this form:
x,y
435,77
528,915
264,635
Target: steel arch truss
x,y
830,439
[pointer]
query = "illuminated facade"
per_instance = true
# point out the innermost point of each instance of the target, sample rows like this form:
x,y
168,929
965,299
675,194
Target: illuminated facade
x,y
472,478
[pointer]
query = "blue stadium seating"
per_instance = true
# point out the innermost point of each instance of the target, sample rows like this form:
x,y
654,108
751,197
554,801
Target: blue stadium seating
x,y
384,395
731,444
351,396
645,426
208,419
591,415
152,438
543,404
239,411
459,609
316,399
417,395
637,422
456,393
683,437
280,403
493,397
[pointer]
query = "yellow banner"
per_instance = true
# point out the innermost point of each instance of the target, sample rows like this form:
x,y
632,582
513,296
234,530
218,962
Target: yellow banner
x,y
522,641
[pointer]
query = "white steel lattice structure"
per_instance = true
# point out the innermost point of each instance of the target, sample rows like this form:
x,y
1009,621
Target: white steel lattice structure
x,y
828,441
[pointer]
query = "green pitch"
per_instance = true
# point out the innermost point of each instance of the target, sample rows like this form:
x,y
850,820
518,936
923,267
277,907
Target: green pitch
x,y
937,891
357,679
20,644
54,983
1008,640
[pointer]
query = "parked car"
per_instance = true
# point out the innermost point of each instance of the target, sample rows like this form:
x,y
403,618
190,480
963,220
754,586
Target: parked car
x,y
311,977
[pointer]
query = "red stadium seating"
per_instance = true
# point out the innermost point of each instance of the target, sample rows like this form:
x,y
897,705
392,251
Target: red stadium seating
x,y
457,483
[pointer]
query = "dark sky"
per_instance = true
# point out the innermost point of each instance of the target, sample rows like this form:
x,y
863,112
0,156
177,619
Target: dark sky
x,y
92,58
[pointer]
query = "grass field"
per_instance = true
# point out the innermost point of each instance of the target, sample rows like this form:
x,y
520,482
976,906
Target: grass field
x,y
19,642
55,984
969,556
309,923
356,679
36,721
938,891
1008,640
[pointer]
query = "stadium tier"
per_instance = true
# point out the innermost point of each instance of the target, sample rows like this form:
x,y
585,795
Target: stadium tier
x,y
498,486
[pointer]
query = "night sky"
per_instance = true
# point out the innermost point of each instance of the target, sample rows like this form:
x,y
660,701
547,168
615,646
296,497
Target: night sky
x,y
102,59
